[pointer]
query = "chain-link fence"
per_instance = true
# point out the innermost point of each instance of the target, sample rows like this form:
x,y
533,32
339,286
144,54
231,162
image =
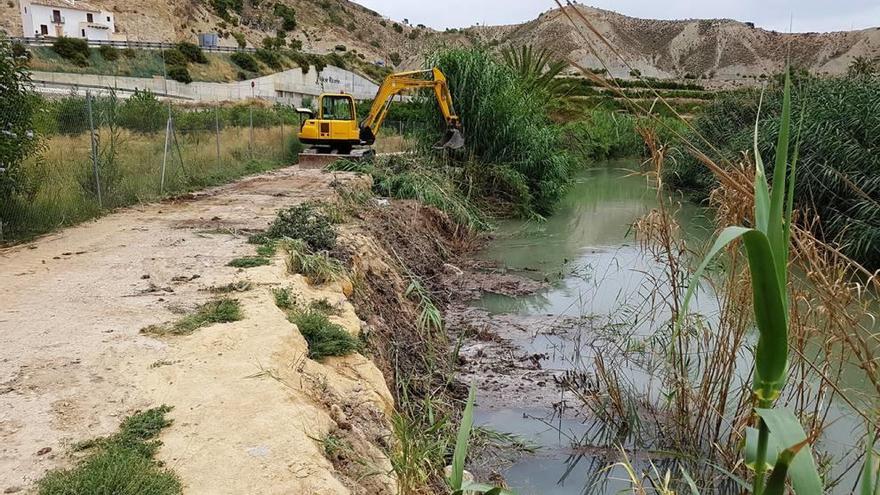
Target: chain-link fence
x,y
103,152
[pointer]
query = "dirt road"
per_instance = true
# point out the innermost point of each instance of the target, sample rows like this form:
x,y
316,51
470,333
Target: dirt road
x,y
248,405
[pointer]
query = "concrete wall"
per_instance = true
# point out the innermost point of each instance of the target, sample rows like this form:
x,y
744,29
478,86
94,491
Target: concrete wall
x,y
74,22
289,86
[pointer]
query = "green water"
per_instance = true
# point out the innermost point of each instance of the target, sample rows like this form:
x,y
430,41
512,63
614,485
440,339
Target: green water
x,y
587,253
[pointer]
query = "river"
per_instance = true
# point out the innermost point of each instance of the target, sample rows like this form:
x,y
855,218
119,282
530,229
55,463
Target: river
x,y
587,253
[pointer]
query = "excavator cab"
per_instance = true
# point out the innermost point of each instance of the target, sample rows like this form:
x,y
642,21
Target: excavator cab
x,y
335,126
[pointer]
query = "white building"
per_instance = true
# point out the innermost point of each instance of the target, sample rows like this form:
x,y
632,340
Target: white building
x,y
55,18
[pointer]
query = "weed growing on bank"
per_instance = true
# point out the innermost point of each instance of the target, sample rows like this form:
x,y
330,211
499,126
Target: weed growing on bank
x,y
223,310
249,262
121,464
324,337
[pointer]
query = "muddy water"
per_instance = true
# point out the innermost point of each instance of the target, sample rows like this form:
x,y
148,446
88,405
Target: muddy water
x,y
595,270
587,253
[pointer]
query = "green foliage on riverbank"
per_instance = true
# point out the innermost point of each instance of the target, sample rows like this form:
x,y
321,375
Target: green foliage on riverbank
x,y
839,167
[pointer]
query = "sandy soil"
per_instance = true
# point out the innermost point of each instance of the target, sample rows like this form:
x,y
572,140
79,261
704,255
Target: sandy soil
x,y
248,405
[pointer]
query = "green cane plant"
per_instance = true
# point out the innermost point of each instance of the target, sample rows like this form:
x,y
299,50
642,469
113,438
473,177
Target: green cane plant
x,y
778,445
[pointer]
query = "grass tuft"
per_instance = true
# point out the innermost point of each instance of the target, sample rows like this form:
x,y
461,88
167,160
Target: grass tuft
x,y
122,464
217,311
324,337
318,268
283,298
307,222
238,286
249,262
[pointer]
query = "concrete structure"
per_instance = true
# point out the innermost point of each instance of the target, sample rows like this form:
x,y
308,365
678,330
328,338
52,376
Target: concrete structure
x,y
290,87
55,18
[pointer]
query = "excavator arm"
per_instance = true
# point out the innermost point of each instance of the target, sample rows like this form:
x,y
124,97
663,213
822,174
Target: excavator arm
x,y
404,81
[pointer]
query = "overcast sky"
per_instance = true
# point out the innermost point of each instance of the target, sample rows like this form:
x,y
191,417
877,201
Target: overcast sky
x,y
806,15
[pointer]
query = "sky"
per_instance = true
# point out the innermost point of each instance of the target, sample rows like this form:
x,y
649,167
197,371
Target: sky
x,y
803,15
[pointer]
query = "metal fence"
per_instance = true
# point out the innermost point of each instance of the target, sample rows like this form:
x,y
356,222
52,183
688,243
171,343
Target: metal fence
x,y
145,45
103,152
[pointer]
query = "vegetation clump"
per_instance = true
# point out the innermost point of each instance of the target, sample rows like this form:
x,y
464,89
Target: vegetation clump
x,y
249,262
223,310
122,464
192,52
246,61
109,53
324,337
319,268
75,50
307,222
838,162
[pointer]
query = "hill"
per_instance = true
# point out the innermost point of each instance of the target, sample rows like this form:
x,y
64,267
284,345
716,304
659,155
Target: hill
x,y
721,49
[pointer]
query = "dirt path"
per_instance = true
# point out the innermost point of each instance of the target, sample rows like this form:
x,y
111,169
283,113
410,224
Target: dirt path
x,y
247,403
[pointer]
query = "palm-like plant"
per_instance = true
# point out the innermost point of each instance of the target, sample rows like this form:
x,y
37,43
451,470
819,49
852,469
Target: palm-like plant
x,y
538,68
862,67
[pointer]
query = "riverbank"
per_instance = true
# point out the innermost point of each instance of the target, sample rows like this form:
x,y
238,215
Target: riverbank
x,y
81,351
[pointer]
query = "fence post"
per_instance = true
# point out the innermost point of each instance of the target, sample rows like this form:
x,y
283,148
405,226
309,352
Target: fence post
x,y
253,97
165,154
217,127
94,149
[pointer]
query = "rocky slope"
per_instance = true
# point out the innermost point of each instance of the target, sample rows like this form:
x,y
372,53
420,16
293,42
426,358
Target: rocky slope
x,y
717,48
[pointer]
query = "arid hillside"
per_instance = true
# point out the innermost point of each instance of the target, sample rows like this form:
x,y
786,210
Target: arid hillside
x,y
713,48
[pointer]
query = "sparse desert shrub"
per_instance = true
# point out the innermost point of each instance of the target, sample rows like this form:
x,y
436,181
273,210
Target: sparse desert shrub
x,y
324,337
394,57
284,299
240,39
340,48
397,27
246,61
306,222
72,49
287,15
192,52
175,57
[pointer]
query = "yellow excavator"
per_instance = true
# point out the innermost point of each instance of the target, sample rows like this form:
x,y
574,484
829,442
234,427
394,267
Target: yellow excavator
x,y
335,132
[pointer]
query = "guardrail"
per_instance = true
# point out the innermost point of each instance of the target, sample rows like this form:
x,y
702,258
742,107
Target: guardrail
x,y
144,45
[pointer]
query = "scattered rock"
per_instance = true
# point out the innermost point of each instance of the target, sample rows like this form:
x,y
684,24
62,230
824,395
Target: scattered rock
x,y
338,415
12,489
44,451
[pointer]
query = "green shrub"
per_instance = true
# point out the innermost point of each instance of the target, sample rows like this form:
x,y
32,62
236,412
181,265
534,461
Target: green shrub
x,y
324,337
269,57
318,268
307,222
175,57
397,28
394,57
142,112
179,73
287,15
603,134
109,53
18,141
73,49
504,123
240,39
340,48
224,8
246,61
129,53
192,52
838,165
20,52
71,115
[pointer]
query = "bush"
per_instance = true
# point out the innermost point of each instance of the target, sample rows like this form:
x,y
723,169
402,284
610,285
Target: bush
x,y
838,166
269,57
240,39
142,112
324,337
287,15
394,57
175,57
180,74
20,52
192,52
18,141
246,61
306,222
505,124
340,48
129,53
397,27
71,115
108,53
73,49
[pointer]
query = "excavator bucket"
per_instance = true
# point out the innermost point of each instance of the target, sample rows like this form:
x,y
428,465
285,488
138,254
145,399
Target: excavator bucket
x,y
453,140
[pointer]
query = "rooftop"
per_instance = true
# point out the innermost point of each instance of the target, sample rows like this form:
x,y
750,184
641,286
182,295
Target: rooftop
x,y
67,4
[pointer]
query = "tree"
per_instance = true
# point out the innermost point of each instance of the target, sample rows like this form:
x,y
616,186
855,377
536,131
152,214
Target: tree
x,y
538,69
862,67
19,103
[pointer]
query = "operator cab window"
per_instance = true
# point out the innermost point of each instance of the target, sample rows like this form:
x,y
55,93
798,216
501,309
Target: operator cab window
x,y
336,108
